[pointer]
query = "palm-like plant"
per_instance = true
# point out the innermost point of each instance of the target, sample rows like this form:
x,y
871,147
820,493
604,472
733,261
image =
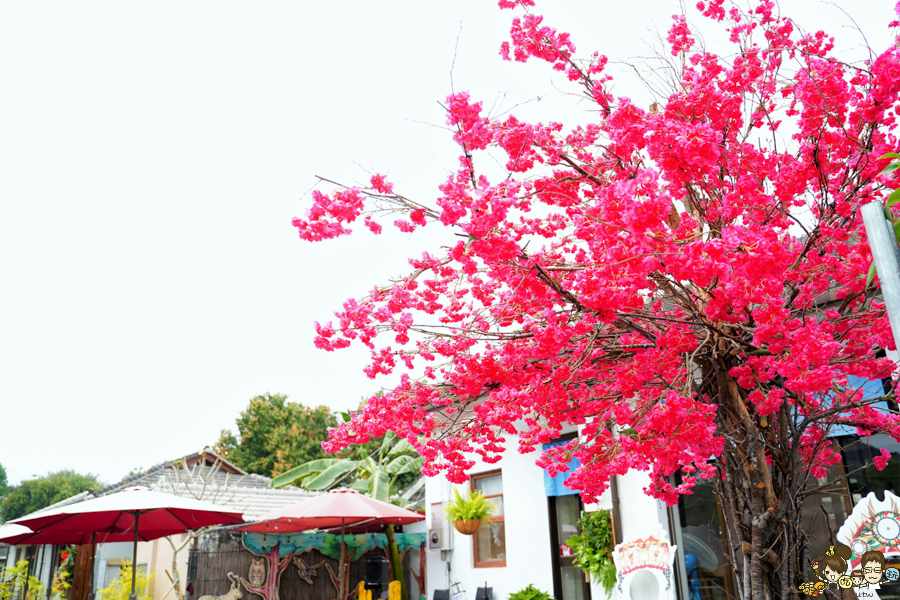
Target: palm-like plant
x,y
375,476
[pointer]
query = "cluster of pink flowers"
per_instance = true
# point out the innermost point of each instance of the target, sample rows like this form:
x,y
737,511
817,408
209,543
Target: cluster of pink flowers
x,y
882,459
598,282
327,214
680,38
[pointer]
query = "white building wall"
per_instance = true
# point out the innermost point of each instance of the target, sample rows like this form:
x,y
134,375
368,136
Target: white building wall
x,y
638,514
528,552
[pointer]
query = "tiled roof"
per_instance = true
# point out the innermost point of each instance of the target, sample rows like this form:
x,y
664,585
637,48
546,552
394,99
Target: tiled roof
x,y
246,492
257,501
250,494
201,458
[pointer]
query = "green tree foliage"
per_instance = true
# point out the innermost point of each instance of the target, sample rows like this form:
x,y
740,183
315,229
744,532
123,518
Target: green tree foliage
x,y
35,494
3,481
120,589
274,435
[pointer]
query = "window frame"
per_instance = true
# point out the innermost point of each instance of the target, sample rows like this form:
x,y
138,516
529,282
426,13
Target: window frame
x,y
499,519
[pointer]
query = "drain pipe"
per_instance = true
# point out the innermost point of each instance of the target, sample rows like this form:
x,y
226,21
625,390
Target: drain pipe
x,y
617,521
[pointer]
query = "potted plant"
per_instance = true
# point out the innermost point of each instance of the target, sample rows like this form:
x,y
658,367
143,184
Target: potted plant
x,y
468,513
530,593
593,548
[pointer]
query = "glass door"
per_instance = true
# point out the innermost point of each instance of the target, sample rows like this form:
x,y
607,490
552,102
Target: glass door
x,y
569,582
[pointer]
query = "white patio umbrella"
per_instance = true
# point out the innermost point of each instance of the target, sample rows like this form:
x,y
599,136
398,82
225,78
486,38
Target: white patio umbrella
x,y
13,531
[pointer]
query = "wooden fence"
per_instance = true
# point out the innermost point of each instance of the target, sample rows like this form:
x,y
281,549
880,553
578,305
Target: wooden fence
x,y
220,552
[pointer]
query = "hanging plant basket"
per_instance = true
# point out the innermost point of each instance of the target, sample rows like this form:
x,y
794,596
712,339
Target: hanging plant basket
x,y
468,526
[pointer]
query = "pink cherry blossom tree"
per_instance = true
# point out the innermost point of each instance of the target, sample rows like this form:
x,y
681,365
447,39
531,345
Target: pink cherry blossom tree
x,y
676,281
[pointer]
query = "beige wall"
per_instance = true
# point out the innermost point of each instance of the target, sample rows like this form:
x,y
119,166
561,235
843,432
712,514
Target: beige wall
x,y
158,556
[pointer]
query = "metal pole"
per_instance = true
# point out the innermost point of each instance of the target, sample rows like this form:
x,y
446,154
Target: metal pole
x,y
885,251
27,578
93,555
137,516
342,593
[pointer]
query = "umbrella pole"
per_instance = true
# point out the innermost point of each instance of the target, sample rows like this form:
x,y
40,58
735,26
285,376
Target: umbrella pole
x,y
343,569
93,553
137,516
27,581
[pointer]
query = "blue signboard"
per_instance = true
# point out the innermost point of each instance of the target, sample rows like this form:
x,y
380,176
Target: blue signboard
x,y
555,486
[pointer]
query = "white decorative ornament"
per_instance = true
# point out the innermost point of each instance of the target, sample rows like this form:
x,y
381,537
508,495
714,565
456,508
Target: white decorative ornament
x,y
644,567
887,528
873,525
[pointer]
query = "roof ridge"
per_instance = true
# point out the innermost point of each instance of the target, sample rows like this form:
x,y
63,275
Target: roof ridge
x,y
135,477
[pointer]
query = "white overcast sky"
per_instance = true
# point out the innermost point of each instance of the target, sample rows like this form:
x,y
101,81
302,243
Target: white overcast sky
x,y
152,155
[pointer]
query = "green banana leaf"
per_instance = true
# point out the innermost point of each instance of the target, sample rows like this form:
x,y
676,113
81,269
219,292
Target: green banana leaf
x,y
893,199
361,486
890,168
380,488
404,464
402,446
301,471
329,476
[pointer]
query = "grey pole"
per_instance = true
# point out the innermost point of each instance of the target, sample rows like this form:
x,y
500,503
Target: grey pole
x,y
27,580
93,551
137,517
885,251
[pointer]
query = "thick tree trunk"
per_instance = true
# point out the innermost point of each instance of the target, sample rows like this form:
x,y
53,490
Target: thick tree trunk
x,y
759,486
176,577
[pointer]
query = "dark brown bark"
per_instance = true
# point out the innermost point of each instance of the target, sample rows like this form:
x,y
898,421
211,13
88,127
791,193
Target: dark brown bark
x,y
763,534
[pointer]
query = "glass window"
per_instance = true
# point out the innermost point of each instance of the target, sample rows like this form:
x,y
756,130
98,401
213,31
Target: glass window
x,y
490,539
568,511
833,499
708,573
572,583
862,480
859,451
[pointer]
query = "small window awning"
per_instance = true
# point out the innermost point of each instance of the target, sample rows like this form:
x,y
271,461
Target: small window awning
x,y
555,486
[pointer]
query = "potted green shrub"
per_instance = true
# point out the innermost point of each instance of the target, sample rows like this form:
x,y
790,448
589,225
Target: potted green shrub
x,y
593,548
468,513
530,593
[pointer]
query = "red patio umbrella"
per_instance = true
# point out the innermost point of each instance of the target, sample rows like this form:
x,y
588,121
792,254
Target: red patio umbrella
x,y
337,508
134,514
15,535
